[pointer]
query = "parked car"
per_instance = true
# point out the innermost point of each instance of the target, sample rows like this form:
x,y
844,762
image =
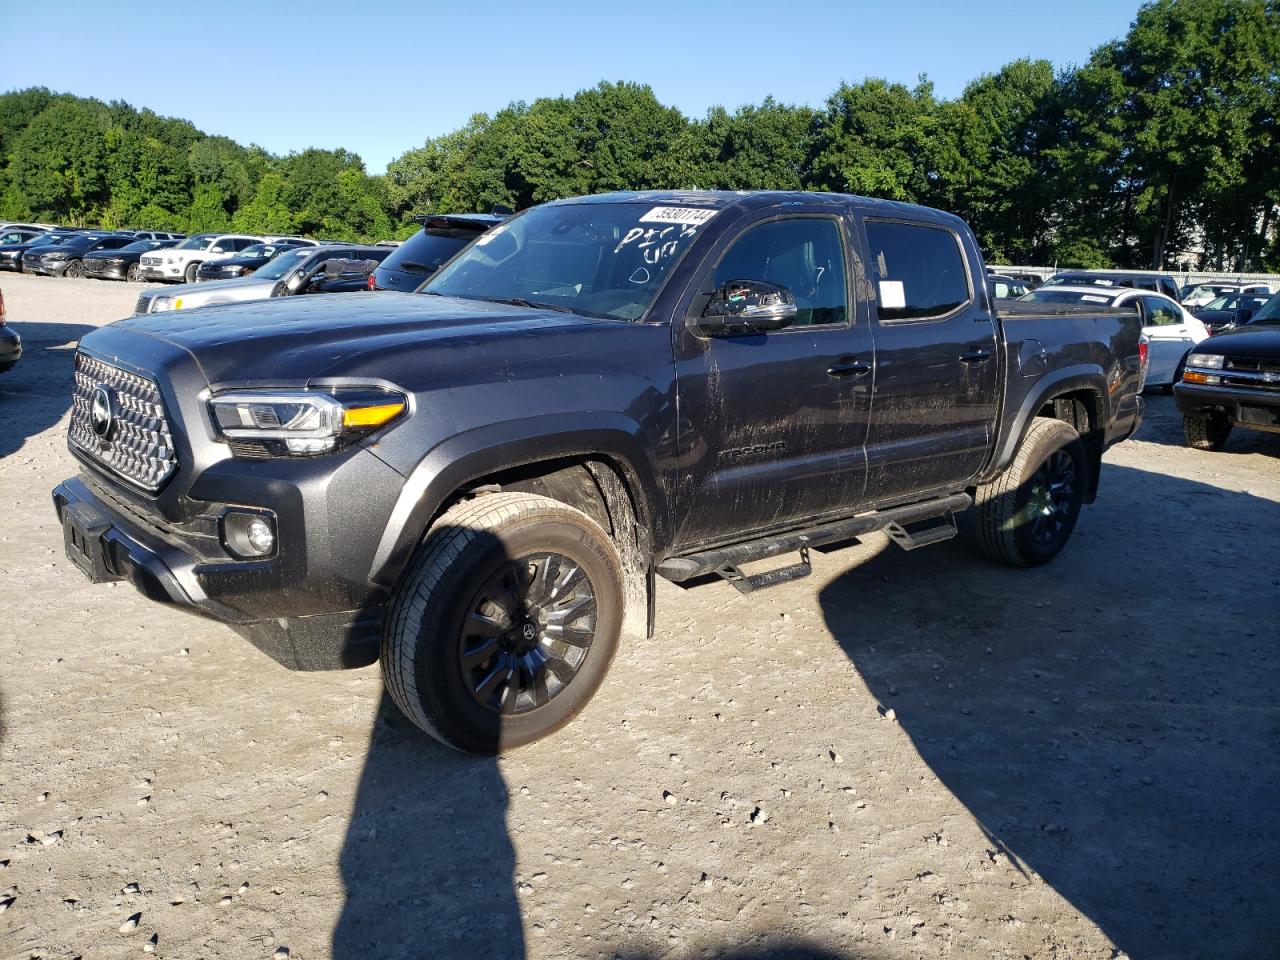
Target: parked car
x,y
298,270
1229,310
66,259
482,480
1233,381
1200,294
10,342
1003,287
122,264
422,254
1170,329
1158,283
37,227
180,263
245,262
155,235
300,241
11,254
13,235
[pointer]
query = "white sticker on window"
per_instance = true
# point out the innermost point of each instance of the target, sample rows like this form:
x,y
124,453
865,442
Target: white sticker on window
x,y
692,216
892,295
1090,298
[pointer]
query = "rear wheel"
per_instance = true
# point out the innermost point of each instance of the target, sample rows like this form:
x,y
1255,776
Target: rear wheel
x,y
190,273
505,623
131,274
75,269
1027,514
1206,431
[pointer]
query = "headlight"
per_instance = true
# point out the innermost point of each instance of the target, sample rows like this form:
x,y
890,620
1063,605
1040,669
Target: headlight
x,y
302,422
1212,361
161,303
55,256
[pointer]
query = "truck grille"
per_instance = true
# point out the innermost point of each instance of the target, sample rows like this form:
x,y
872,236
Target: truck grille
x,y
144,303
138,445
1250,372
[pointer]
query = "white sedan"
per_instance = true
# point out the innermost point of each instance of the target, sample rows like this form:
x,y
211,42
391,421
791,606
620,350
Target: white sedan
x,y
1170,329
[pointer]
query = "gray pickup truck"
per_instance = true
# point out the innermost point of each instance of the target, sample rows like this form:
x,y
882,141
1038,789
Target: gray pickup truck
x,y
479,482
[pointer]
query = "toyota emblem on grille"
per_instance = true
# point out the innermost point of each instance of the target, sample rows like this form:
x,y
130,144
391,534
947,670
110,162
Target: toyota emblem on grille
x,y
102,415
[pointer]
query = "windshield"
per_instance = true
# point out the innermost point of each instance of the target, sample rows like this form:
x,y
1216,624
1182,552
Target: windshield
x,y
605,260
276,268
198,242
1270,312
260,250
428,248
1065,296
139,246
48,240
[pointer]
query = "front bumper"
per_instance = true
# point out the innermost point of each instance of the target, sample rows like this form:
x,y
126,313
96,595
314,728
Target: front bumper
x,y
10,349
34,265
164,271
173,567
105,269
1256,409
11,263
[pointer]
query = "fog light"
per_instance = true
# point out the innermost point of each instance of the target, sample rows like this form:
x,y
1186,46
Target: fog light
x,y
249,535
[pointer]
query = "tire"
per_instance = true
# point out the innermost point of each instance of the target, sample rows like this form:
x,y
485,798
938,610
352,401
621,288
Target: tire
x,y
75,269
1026,515
444,642
1206,431
131,274
190,273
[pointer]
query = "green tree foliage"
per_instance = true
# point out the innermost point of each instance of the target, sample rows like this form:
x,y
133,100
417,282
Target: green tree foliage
x,y
1160,150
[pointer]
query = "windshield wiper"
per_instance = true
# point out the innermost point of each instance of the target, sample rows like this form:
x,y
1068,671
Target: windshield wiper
x,y
414,267
522,302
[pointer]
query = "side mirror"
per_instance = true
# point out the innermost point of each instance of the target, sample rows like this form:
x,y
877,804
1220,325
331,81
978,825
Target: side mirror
x,y
746,306
217,250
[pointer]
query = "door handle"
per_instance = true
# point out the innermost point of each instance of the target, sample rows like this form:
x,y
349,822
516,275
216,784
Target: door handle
x,y
848,367
975,356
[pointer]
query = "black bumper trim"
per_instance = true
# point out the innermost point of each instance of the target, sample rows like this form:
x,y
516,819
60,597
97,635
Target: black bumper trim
x,y
166,574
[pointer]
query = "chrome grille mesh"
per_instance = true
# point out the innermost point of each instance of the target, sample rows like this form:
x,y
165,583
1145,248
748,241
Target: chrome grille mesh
x,y
138,446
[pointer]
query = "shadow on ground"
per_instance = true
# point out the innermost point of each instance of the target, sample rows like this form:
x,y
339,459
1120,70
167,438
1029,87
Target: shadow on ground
x,y
37,392
1134,768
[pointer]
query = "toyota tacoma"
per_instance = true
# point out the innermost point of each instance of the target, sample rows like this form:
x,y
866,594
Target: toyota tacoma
x,y
477,483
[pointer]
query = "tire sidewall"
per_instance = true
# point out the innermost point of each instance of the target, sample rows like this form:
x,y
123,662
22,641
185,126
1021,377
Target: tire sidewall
x,y
74,270
462,721
1035,553
189,274
131,273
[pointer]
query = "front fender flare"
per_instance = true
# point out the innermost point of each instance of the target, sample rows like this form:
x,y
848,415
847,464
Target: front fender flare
x,y
465,457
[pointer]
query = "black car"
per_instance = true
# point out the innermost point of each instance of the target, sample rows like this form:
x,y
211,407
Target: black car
x,y
11,254
121,264
10,343
1233,380
248,260
1156,282
67,258
19,235
422,254
1229,310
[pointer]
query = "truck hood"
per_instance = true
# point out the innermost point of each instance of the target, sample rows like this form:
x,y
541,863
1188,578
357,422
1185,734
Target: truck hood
x,y
412,339
1254,341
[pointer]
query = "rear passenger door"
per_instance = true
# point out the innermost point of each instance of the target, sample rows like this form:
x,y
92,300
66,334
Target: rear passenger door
x,y
933,408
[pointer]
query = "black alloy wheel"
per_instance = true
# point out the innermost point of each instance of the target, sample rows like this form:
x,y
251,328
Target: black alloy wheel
x,y
527,632
1050,499
75,269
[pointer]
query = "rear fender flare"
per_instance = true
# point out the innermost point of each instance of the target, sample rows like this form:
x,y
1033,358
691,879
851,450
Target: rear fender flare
x,y
1055,384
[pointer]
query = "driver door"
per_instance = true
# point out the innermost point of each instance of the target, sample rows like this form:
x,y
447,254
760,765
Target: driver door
x,y
772,425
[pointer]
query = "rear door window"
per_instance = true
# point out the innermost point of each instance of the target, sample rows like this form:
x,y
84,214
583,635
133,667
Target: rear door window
x,y
920,269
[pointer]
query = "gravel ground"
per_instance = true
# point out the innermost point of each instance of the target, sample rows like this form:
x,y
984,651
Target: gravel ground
x,y
905,755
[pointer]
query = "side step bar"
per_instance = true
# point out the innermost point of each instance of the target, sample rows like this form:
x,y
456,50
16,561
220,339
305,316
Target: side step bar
x,y
910,526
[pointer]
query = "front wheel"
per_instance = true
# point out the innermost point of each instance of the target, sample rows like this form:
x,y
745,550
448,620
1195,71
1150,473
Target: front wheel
x,y
132,273
505,623
75,269
190,274
1026,515
1207,431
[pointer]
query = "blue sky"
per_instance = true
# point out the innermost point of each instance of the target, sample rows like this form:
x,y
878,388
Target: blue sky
x,y
379,78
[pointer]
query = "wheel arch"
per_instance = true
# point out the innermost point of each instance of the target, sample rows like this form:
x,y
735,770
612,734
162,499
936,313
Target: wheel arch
x,y
601,469
1078,396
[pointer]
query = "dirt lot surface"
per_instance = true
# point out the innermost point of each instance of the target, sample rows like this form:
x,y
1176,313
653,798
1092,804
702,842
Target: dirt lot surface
x,y
1081,760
